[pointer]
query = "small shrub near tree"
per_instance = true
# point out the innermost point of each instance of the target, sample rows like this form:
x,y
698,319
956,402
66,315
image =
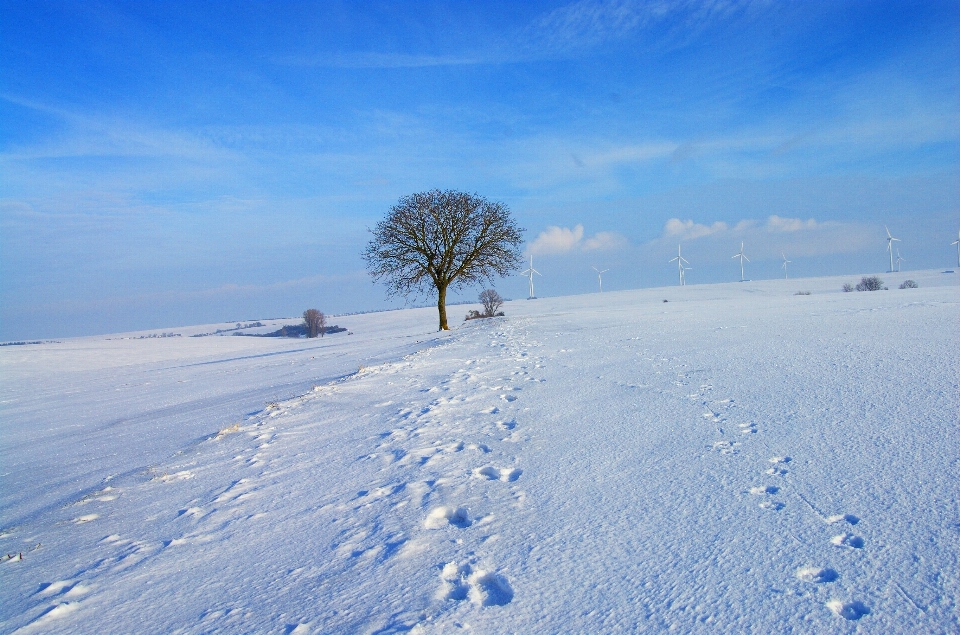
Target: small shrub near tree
x,y
909,284
871,283
491,301
847,287
314,321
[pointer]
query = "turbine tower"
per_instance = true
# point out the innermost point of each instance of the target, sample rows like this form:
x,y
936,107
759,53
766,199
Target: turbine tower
x,y
742,258
530,272
599,276
890,241
680,260
899,260
957,243
785,261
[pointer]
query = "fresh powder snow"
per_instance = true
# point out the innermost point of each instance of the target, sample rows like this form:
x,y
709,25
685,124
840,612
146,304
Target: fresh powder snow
x,y
716,458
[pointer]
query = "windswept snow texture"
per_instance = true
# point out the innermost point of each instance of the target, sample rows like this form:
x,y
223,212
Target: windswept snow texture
x,y
739,459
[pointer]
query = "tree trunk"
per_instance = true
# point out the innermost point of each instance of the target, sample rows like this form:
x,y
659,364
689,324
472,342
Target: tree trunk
x,y
442,307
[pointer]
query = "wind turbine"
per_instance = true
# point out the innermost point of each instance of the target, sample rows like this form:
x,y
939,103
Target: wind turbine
x,y
899,260
530,272
890,240
742,258
957,243
680,260
599,276
785,261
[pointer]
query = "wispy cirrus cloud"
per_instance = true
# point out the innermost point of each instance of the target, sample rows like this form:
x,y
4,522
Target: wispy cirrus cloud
x,y
589,23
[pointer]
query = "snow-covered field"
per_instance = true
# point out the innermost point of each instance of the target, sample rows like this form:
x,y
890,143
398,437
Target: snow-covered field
x,y
739,459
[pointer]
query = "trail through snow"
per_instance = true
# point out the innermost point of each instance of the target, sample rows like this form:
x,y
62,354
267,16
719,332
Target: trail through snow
x,y
738,459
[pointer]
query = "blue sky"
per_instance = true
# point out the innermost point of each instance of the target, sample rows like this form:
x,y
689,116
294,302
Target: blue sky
x,y
168,163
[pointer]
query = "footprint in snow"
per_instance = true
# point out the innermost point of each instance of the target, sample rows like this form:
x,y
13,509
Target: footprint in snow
x,y
848,610
848,541
779,466
507,425
491,473
483,588
772,505
761,490
816,575
725,447
444,515
843,518
747,428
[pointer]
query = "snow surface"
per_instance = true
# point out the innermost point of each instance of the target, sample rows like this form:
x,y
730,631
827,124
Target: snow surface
x,y
738,459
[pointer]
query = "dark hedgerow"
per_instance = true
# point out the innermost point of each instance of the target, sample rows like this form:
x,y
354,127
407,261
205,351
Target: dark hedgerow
x,y
909,284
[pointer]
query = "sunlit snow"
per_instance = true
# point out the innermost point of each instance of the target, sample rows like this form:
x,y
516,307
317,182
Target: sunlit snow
x,y
716,458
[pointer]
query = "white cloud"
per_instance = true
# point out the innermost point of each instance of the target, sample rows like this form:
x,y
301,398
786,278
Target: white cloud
x,y
561,240
556,240
605,241
777,224
688,230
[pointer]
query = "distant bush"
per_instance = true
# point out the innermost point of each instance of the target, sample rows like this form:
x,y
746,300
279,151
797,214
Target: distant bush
x,y
909,284
847,287
805,292
872,283
491,301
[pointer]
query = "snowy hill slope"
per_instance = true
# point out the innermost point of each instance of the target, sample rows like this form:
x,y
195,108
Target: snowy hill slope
x,y
738,459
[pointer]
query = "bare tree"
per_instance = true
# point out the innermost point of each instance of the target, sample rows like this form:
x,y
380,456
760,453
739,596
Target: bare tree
x,y
491,301
438,240
315,322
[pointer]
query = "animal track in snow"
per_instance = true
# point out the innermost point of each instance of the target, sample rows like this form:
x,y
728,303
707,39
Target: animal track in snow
x,y
483,588
86,518
848,518
444,515
507,474
772,505
816,575
507,425
848,610
725,447
747,428
779,466
848,541
760,490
